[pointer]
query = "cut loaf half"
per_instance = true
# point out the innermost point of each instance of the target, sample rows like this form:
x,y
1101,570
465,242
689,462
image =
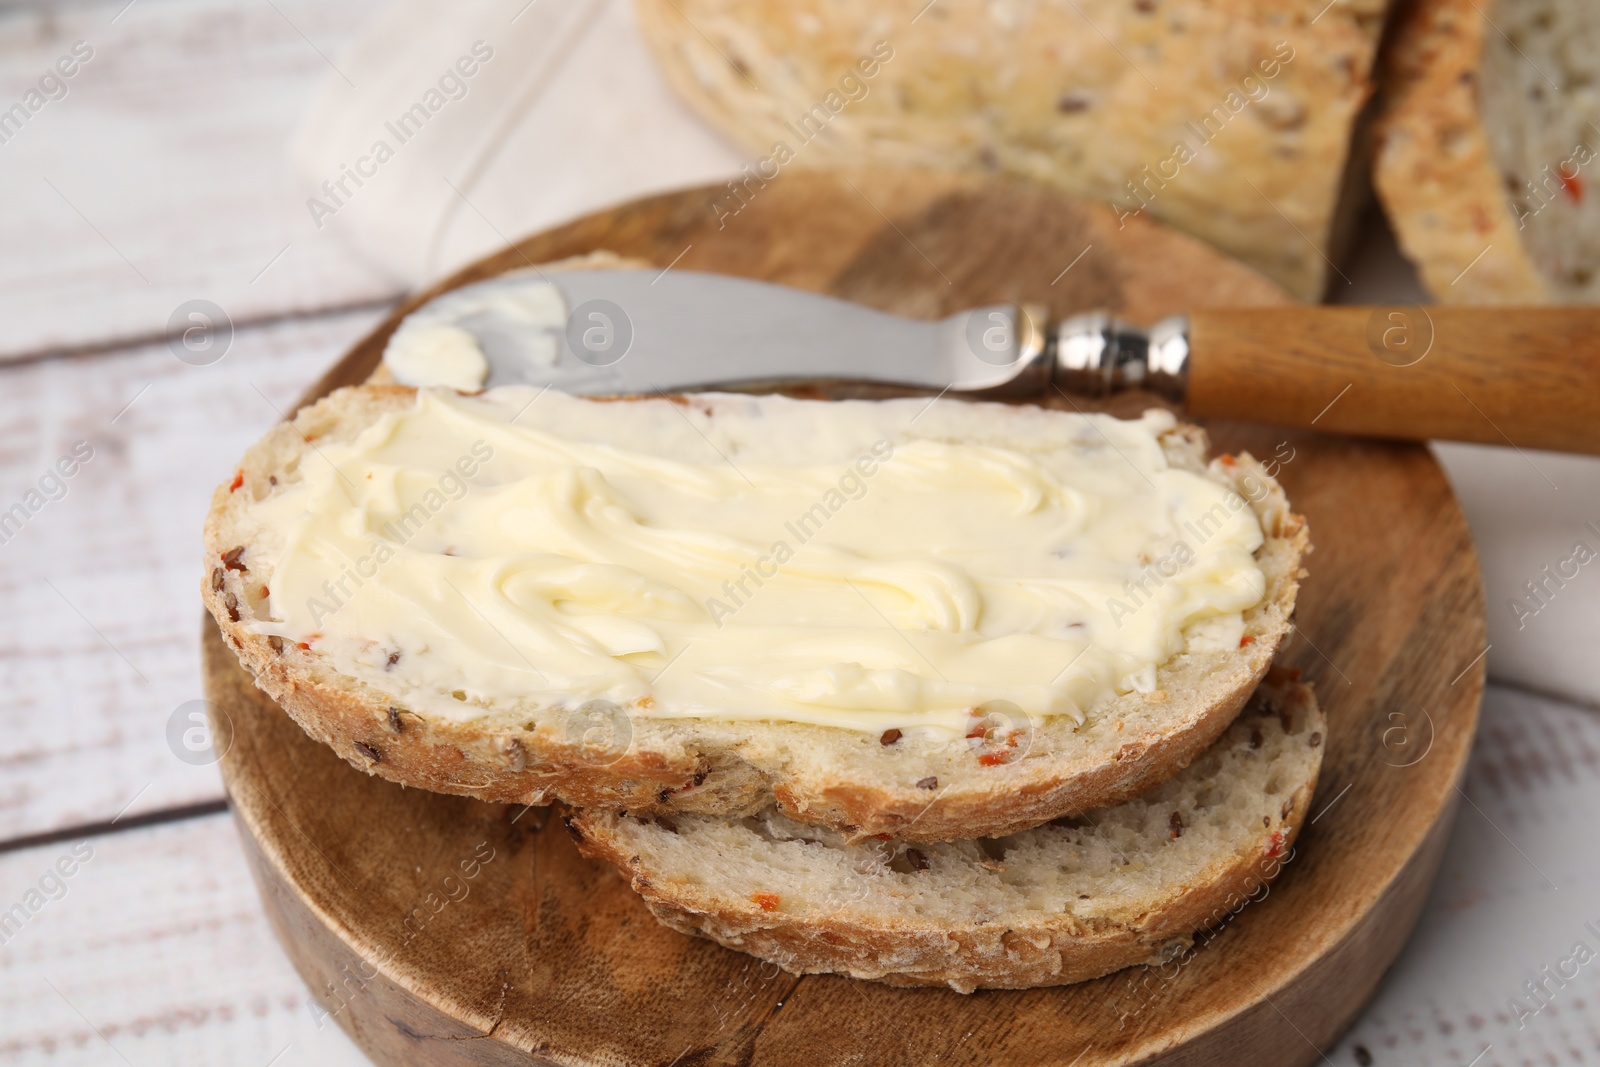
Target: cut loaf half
x,y
1231,121
1065,902
1488,147
919,788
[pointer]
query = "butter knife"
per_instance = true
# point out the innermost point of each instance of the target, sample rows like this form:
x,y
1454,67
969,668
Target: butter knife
x,y
1527,377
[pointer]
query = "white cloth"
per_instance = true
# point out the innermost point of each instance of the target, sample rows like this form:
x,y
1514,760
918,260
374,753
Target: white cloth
x,y
569,114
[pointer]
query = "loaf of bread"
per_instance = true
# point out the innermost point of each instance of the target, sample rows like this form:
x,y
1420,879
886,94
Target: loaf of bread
x,y
387,722
1232,121
1486,145
1064,902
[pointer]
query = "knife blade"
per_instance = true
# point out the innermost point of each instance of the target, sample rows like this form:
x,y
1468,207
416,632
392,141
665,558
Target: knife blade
x,y
634,331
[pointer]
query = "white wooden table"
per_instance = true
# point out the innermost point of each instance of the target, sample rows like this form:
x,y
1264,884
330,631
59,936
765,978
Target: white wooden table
x,y
159,178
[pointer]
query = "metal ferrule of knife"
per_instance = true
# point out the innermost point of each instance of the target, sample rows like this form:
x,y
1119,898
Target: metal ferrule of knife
x,y
1093,354
1096,354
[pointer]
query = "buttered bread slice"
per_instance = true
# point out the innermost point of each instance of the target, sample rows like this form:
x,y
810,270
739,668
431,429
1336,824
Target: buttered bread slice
x,y
932,619
1065,902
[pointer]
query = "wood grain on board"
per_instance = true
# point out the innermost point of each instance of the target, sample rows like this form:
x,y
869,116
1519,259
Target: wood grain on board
x,y
426,921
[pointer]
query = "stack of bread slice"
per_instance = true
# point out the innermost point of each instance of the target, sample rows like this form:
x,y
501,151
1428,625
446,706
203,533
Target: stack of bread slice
x,y
1104,840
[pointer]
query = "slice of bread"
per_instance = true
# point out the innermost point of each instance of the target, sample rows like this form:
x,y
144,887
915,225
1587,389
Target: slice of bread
x,y
1488,152
919,788
1065,902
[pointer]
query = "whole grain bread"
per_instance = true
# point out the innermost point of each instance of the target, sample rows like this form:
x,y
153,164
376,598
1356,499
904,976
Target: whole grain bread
x,y
1486,146
1232,121
1065,902
917,789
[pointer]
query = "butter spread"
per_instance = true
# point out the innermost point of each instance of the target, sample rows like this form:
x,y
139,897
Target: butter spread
x,y
437,354
513,320
865,565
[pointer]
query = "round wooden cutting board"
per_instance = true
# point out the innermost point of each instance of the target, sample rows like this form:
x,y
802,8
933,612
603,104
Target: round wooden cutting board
x,y
441,930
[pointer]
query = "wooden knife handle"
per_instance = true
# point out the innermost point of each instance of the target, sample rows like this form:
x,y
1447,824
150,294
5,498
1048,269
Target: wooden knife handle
x,y
1528,377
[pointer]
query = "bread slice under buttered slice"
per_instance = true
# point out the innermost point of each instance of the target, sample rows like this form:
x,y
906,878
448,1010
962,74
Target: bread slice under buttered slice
x,y
1065,902
917,788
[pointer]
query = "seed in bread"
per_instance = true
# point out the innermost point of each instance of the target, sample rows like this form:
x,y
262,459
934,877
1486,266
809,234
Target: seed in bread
x,y
1064,902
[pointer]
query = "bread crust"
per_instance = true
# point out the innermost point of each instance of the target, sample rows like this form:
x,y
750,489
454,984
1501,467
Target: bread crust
x,y
1013,951
1434,170
1033,91
738,769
